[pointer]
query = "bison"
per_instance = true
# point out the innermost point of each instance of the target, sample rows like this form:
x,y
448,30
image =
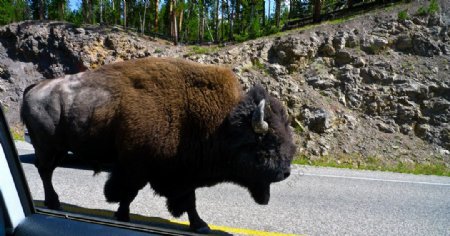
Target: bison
x,y
174,124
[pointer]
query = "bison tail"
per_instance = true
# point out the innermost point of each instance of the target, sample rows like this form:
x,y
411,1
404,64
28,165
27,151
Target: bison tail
x,y
22,108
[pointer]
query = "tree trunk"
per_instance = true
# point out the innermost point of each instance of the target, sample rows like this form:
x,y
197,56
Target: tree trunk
x,y
185,34
180,19
61,7
264,13
91,12
317,8
230,20
145,13
84,10
114,12
292,9
216,20
155,22
277,12
101,11
252,12
41,9
237,19
201,22
173,21
125,14
222,20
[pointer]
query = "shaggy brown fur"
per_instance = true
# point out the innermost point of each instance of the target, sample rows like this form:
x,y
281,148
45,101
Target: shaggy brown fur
x,y
166,98
175,124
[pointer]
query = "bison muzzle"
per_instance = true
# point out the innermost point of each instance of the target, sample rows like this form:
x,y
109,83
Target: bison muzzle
x,y
174,124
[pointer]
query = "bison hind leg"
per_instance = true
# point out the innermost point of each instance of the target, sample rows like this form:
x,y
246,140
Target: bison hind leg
x,y
46,162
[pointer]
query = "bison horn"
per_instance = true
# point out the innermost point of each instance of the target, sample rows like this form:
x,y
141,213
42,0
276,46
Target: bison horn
x,y
258,123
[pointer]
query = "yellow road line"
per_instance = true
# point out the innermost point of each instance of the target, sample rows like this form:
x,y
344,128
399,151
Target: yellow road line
x,y
238,230
109,214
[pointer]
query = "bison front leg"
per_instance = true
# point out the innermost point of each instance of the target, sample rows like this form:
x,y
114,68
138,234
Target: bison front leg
x,y
186,203
123,186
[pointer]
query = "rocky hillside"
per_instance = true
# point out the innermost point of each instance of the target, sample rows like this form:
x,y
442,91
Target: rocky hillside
x,y
373,87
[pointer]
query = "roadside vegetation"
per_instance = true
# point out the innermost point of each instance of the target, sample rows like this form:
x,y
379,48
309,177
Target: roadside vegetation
x,y
431,9
375,163
196,50
17,133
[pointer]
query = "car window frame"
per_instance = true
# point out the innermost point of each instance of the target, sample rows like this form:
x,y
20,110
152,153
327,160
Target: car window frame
x,y
18,196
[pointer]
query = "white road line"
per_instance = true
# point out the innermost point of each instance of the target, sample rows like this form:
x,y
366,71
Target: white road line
x,y
25,149
375,179
346,177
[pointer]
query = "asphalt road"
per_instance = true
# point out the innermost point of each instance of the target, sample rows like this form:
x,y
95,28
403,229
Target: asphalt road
x,y
313,201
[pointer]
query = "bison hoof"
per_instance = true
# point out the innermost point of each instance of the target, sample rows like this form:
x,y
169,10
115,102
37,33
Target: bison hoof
x,y
53,205
122,217
203,230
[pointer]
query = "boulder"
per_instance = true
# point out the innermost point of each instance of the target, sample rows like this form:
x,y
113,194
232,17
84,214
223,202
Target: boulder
x,y
343,57
317,120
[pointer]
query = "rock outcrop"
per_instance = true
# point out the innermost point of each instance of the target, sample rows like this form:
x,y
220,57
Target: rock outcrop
x,y
373,86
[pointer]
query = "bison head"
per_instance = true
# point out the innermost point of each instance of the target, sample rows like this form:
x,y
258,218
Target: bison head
x,y
260,141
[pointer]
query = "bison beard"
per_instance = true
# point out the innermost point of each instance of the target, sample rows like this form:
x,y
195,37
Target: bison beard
x,y
174,124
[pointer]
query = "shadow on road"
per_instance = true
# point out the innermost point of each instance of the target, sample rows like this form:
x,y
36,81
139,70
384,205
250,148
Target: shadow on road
x,y
70,161
138,222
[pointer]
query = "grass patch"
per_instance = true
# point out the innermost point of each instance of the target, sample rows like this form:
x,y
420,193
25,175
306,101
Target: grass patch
x,y
339,20
17,133
433,8
158,50
403,15
257,65
422,11
298,127
374,163
195,50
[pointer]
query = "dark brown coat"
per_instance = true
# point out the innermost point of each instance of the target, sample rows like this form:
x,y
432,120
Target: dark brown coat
x,y
175,124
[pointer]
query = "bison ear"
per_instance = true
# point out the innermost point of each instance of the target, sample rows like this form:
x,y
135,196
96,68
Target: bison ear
x,y
259,125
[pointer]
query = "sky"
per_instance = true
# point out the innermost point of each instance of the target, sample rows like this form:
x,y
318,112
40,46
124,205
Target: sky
x,y
74,4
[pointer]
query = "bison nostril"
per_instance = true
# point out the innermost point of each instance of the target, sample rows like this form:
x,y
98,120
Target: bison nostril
x,y
287,174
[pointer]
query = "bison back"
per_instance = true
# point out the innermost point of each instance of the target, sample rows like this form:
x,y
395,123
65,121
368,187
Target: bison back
x,y
165,101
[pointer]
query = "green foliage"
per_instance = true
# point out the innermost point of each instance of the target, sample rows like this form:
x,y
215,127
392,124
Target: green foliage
x,y
245,21
374,163
241,37
422,11
75,17
403,15
432,8
255,29
57,9
258,66
298,127
202,50
17,133
12,11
